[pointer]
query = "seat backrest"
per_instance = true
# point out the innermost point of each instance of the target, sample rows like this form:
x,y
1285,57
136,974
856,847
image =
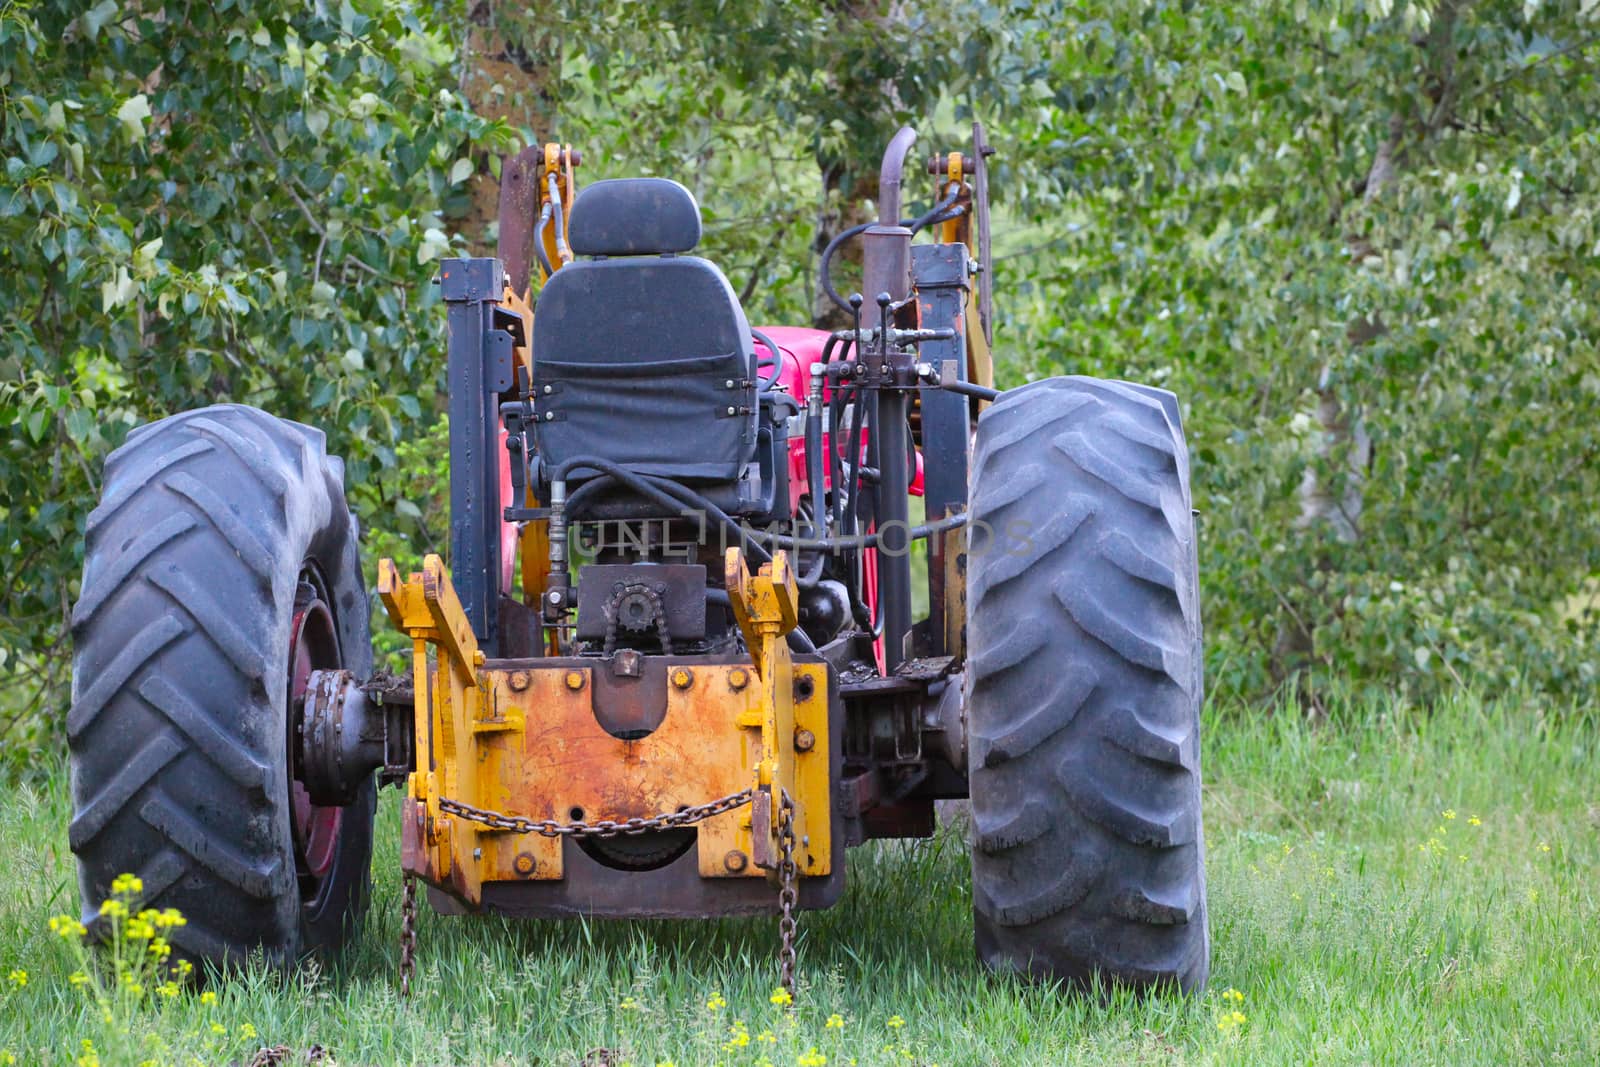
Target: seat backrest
x,y
642,355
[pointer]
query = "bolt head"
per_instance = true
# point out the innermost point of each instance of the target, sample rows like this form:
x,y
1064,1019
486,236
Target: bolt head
x,y
477,853
523,864
575,680
804,740
682,677
738,678
735,861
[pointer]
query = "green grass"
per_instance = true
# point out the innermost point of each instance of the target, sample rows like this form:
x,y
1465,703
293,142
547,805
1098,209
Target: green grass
x,y
1360,924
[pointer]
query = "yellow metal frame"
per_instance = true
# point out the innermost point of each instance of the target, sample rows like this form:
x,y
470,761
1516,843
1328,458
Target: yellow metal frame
x,y
521,737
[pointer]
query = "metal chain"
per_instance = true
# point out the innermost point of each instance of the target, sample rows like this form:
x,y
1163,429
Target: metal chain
x,y
408,934
788,894
667,820
788,870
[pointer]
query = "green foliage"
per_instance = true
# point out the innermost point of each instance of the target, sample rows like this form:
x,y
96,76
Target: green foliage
x,y
1218,224
210,202
1318,222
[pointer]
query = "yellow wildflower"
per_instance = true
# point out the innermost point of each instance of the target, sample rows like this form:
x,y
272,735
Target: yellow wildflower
x,y
766,1038
78,978
66,926
113,909
1543,847
895,1022
126,884
780,996
218,1028
629,1004
1473,820
1232,994
167,989
247,1031
208,998
140,929
812,1058
169,917
8,1058
1449,813
18,978
835,1022
715,1002
740,1039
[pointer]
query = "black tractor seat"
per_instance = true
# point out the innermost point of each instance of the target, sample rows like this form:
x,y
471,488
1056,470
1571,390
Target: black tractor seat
x,y
641,354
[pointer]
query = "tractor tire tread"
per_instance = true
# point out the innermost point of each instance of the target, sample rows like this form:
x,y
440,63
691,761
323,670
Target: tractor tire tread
x,y
1084,686
177,728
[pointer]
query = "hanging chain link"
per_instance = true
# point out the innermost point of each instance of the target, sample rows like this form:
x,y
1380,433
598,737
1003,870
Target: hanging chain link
x,y
667,820
788,870
788,894
408,934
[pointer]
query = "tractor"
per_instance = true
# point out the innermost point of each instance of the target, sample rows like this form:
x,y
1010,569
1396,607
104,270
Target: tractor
x,y
673,667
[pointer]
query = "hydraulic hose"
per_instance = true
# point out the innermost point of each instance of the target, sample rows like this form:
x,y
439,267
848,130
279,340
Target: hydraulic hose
x,y
854,542
937,214
538,238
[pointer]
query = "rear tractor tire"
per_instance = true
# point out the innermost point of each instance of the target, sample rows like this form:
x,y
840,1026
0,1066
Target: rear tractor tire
x,y
1084,685
221,568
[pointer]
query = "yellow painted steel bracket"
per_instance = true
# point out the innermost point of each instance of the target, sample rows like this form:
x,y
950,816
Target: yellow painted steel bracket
x,y
521,737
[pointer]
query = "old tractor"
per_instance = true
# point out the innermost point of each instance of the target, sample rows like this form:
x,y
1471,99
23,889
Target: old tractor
x,y
672,666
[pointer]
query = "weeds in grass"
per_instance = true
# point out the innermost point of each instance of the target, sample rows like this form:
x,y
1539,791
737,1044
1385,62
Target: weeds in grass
x,y
1335,937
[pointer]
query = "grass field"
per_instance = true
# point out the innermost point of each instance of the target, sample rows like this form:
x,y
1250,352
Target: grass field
x,y
1413,889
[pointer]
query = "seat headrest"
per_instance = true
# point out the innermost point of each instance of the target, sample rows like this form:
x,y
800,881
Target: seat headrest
x,y
633,217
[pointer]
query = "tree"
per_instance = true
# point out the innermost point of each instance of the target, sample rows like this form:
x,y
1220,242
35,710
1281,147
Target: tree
x,y
207,202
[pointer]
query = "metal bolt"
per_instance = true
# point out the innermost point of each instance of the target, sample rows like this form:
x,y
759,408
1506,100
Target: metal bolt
x,y
738,678
523,864
728,384
477,853
682,678
519,680
549,416
549,389
733,410
575,680
735,861
555,596
804,740
478,657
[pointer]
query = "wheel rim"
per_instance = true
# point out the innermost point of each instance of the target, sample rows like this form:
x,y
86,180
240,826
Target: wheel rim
x,y
313,645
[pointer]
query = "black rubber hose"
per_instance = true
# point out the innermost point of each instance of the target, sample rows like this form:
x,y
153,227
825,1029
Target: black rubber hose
x,y
936,214
668,494
856,541
982,392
